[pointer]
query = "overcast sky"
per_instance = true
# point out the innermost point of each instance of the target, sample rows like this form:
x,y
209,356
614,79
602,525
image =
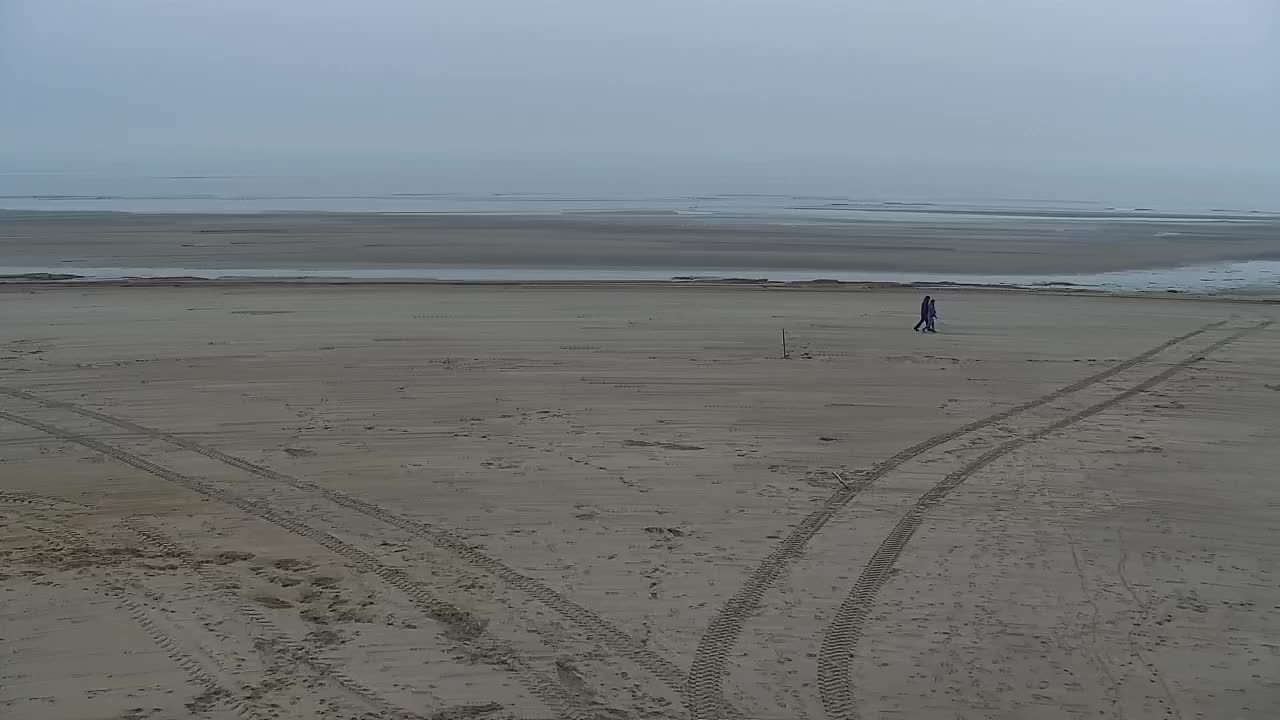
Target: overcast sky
x,y
1120,90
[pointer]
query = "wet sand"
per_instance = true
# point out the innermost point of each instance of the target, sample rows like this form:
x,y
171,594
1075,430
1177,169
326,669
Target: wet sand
x,y
619,501
855,241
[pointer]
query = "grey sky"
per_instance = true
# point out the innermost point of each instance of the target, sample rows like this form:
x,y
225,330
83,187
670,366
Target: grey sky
x,y
1071,88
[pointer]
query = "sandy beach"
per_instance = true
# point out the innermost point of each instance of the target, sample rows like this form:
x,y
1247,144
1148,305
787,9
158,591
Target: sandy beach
x,y
834,241
445,502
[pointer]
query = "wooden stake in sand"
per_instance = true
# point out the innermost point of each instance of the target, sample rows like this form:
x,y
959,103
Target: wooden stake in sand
x,y
842,482
785,354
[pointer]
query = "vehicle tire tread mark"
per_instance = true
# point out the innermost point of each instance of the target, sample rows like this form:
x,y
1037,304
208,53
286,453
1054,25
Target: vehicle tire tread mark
x,y
460,626
835,659
706,674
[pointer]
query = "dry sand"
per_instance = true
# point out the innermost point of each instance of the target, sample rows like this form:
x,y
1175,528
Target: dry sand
x,y
619,502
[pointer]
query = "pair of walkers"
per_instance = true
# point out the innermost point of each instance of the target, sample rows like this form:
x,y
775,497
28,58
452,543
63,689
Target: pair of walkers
x,y
928,315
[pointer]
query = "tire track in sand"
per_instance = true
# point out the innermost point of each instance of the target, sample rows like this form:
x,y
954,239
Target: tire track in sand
x,y
706,675
594,625
214,693
835,660
459,625
9,497
277,640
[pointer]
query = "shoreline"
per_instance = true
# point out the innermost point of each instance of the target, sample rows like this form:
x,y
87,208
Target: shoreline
x,y
1253,277
884,247
834,212
709,285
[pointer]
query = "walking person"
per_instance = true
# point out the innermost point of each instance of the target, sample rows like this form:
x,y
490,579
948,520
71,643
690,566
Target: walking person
x,y
931,316
924,313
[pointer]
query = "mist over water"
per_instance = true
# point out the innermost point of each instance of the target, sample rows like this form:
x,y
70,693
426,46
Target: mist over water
x,y
305,105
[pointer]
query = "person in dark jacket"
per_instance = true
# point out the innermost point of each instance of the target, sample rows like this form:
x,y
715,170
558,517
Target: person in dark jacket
x,y
931,317
924,313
